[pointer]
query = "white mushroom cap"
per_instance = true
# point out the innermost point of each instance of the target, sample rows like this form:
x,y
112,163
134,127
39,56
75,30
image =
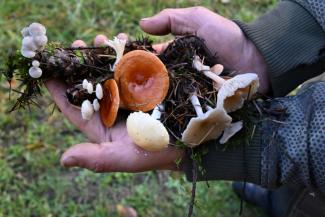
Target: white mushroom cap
x,y
234,92
85,84
90,88
87,110
96,105
147,132
99,91
231,131
40,40
36,29
206,127
27,53
28,44
25,32
35,72
35,63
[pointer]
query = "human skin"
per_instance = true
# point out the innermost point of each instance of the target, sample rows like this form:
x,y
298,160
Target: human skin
x,y
111,149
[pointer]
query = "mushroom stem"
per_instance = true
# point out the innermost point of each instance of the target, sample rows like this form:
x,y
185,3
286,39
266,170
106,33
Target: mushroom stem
x,y
197,106
198,65
156,113
208,108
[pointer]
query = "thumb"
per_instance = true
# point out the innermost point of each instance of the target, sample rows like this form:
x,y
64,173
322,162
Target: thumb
x,y
175,21
85,155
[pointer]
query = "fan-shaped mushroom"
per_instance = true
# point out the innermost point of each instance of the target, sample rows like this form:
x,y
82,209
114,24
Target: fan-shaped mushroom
x,y
206,126
110,102
142,80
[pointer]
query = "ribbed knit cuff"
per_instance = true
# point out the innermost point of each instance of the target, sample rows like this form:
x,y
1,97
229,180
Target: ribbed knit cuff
x,y
235,163
287,37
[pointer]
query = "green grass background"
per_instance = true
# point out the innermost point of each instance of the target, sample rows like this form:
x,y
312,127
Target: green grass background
x,y
32,183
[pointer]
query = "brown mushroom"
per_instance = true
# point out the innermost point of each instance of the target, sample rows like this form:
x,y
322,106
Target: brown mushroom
x,y
142,80
110,102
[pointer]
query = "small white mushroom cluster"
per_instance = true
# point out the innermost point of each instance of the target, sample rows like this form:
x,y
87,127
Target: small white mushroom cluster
x,y
88,108
34,39
118,45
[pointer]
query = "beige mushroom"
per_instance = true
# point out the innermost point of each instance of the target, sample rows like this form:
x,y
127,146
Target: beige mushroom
x,y
147,132
206,126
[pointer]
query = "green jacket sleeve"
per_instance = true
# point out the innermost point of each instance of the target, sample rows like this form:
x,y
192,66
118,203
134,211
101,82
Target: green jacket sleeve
x,y
292,43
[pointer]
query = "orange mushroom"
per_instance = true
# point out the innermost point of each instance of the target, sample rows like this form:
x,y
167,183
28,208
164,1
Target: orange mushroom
x,y
110,102
142,80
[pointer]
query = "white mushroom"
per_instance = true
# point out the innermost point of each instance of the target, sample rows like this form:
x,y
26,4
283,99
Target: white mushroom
x,y
118,45
28,44
85,84
96,105
147,132
40,40
99,91
206,126
35,72
27,53
90,88
87,110
35,63
230,131
235,91
36,29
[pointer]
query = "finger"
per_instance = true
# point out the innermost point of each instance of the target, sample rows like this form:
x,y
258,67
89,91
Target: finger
x,y
78,43
100,40
122,36
159,48
85,155
175,21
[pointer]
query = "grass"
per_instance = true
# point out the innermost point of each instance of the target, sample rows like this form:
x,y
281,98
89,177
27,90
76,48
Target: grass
x,y
32,183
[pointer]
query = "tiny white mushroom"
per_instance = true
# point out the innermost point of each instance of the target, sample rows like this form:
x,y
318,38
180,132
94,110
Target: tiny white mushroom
x,y
231,131
85,84
156,113
35,72
99,91
147,132
90,88
36,63
87,110
40,40
96,105
25,32
28,44
118,45
27,53
36,29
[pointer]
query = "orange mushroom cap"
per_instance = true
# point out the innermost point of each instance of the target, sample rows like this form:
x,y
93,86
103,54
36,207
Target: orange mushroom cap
x,y
110,103
142,79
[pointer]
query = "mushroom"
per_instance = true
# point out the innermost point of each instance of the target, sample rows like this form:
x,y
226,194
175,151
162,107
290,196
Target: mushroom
x,y
146,131
230,131
142,80
110,103
206,126
96,105
117,44
87,110
35,72
99,91
231,91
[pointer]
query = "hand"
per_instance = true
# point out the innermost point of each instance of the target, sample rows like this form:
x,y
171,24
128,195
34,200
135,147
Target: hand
x,y
112,150
222,36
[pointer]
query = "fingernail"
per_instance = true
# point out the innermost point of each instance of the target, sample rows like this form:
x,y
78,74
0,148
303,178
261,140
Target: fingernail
x,y
69,162
146,18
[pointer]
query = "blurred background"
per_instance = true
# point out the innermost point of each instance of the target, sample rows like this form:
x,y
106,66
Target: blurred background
x,y
32,183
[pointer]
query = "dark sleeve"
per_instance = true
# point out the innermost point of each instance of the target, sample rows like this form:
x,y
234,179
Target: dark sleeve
x,y
292,43
281,151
